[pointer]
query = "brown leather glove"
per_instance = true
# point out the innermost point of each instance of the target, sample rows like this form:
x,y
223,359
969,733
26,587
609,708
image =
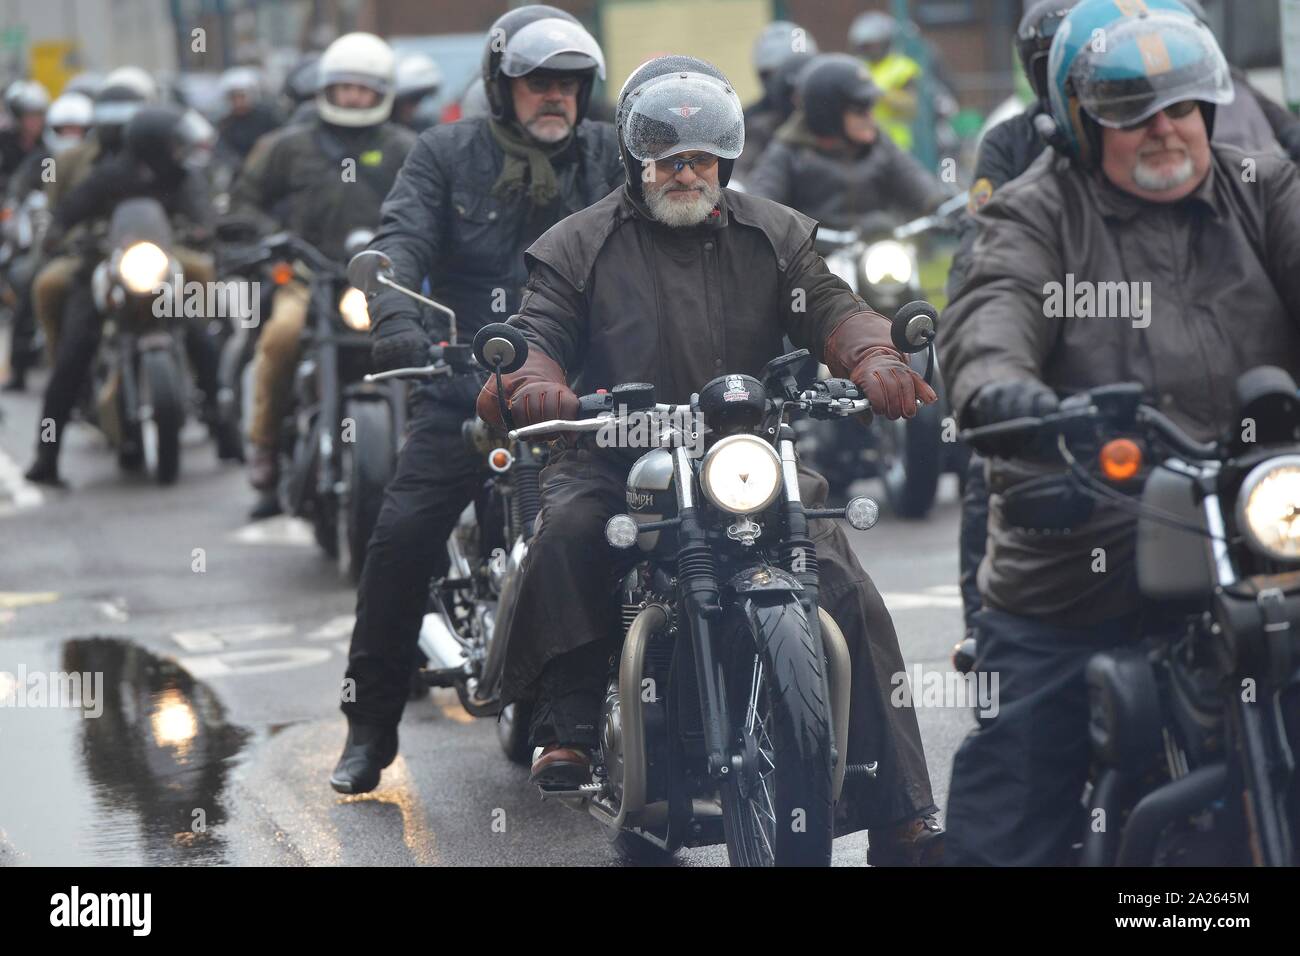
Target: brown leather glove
x,y
860,349
535,392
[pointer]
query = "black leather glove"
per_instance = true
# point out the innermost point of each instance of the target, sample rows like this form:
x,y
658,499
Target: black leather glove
x,y
398,343
1004,401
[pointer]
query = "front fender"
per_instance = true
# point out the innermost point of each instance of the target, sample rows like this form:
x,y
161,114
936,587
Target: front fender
x,y
763,577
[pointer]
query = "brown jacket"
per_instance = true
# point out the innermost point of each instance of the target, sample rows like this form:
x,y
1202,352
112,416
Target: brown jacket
x,y
1222,268
615,297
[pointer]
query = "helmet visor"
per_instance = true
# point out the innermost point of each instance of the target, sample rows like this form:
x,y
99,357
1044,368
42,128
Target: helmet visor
x,y
552,44
1147,64
682,112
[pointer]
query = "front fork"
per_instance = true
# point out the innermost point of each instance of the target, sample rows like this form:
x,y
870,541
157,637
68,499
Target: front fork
x,y
697,579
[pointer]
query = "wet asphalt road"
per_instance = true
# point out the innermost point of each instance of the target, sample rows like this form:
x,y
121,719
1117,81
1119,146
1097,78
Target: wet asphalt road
x,y
222,646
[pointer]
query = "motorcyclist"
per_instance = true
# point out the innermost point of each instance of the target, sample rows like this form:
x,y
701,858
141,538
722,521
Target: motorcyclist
x,y
320,180
673,280
471,198
119,96
418,81
1136,193
780,43
160,144
829,159
1007,150
248,118
67,121
26,102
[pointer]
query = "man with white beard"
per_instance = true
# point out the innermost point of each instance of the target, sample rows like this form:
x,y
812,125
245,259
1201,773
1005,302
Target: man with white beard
x,y
674,280
1134,192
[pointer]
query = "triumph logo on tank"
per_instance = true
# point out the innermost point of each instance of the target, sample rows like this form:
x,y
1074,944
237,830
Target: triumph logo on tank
x,y
37,689
133,910
1075,299
640,500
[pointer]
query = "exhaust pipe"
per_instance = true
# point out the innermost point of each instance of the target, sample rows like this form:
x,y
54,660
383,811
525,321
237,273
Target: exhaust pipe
x,y
839,675
440,646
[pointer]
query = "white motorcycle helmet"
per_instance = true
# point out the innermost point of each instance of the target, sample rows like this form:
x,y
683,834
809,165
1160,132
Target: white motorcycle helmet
x,y
26,96
70,109
363,59
241,79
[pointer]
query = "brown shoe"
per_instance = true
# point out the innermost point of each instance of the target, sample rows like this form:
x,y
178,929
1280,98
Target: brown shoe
x,y
918,842
561,768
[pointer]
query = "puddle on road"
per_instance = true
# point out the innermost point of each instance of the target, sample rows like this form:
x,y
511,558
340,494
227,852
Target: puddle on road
x,y
131,771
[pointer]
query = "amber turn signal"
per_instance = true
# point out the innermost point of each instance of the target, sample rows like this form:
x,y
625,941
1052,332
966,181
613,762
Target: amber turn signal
x,y
281,273
1121,459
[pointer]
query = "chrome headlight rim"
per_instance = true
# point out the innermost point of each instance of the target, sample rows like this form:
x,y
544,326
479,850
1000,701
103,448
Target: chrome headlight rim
x,y
724,449
1257,476
353,309
135,263
887,261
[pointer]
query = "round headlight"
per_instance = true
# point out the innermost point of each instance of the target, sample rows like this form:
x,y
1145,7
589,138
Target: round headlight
x,y
741,474
143,267
352,306
1268,508
887,261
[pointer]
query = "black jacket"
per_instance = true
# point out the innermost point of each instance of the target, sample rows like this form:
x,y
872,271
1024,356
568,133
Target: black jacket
x,y
441,222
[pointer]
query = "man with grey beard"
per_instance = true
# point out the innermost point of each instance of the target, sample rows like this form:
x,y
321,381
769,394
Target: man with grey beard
x,y
1135,192
674,280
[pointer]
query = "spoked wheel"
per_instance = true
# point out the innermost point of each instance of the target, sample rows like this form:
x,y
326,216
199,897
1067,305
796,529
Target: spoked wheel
x,y
777,808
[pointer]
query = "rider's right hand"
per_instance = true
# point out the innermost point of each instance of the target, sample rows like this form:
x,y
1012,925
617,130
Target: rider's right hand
x,y
398,343
536,392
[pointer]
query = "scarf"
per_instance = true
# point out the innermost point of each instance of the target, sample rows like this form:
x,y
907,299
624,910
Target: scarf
x,y
528,165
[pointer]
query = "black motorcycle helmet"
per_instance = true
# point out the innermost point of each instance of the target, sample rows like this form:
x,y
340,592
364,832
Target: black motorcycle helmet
x,y
495,83
164,138
660,67
1034,40
828,85
121,95
783,85
302,81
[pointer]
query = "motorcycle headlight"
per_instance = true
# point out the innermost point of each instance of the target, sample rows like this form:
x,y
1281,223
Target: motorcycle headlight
x,y
887,261
143,267
353,309
741,474
1268,508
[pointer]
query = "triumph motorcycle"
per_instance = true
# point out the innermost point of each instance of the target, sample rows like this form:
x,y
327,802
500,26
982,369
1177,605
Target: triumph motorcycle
x,y
879,261
1194,729
726,716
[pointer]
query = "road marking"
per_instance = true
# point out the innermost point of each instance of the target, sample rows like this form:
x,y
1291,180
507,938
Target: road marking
x,y
280,530
20,492
237,663
214,639
910,601
114,610
340,626
13,599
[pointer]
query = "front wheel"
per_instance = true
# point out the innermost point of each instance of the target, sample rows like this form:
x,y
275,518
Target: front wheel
x,y
777,809
162,413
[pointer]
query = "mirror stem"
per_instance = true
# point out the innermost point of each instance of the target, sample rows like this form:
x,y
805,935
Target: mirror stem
x,y
384,280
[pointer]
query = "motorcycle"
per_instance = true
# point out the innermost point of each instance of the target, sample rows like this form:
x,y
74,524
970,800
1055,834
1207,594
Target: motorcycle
x,y
879,261
460,637
140,389
726,714
338,447
1194,729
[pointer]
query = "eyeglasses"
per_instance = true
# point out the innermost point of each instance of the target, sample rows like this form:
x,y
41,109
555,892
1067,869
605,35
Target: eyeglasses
x,y
1175,111
567,85
701,162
